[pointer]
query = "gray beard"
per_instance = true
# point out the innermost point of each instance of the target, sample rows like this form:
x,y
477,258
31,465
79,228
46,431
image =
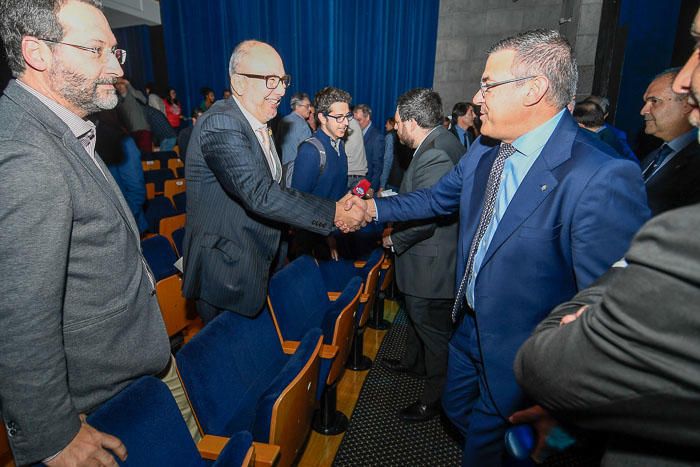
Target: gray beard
x,y
82,92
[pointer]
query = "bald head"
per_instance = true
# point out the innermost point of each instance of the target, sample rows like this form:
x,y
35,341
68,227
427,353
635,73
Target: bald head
x,y
252,61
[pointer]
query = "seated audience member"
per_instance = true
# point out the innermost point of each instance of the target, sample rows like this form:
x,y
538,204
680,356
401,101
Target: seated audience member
x,y
374,144
292,130
173,109
132,113
465,122
208,98
321,166
183,138
604,104
389,140
226,93
671,172
622,357
123,159
589,116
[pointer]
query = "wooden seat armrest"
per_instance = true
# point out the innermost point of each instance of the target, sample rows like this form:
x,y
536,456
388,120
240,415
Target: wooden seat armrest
x,y
360,264
329,352
265,454
364,298
333,296
211,446
386,264
289,347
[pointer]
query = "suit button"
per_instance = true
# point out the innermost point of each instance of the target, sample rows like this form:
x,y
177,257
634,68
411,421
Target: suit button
x,y
11,429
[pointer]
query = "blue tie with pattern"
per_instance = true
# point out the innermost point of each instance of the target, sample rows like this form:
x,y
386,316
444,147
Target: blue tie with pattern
x,y
664,151
494,182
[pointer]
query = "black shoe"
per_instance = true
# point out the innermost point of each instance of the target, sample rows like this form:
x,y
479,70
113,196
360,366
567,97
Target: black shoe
x,y
419,412
395,366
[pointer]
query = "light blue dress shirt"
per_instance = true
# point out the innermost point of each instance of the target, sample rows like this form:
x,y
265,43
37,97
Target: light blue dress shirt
x,y
527,149
462,135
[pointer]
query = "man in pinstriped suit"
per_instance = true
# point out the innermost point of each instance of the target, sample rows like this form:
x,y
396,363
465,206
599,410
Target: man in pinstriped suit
x,y
236,205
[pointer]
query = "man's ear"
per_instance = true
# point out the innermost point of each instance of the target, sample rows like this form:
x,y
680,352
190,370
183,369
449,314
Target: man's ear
x,y
238,84
536,90
322,119
36,53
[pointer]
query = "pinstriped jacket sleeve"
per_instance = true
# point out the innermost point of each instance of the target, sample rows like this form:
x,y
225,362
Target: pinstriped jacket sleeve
x,y
244,174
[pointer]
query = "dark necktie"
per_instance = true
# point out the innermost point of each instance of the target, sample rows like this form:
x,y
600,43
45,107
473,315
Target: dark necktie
x,y
664,151
504,152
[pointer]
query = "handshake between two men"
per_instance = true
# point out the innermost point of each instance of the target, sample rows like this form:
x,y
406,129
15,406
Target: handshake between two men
x,y
353,213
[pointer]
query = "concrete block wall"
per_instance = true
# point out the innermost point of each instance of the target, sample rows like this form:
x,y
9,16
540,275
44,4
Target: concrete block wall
x,y
467,28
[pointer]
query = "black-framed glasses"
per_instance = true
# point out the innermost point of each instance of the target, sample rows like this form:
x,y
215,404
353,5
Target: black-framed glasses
x,y
486,87
119,54
340,118
271,81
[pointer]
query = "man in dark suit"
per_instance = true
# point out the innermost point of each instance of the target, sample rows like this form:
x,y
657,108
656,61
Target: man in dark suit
x,y
542,215
463,117
622,356
78,314
672,172
235,201
425,251
374,144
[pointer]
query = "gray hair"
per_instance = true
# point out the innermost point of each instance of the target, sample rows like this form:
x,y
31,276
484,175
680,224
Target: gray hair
x,y
603,102
423,105
37,18
671,73
365,109
547,53
297,98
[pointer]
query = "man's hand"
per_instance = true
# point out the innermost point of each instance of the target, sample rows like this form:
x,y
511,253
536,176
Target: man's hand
x,y
90,448
540,421
350,215
386,241
573,316
369,205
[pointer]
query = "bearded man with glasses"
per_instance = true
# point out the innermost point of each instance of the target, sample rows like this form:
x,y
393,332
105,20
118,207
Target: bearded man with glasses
x,y
79,316
237,204
543,212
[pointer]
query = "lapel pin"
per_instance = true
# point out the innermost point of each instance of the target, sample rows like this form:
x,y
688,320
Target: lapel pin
x,y
543,187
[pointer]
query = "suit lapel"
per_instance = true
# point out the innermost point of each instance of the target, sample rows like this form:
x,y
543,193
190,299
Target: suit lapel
x,y
537,185
675,165
105,182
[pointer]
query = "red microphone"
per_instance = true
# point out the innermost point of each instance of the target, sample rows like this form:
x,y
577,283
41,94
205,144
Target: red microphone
x,y
360,190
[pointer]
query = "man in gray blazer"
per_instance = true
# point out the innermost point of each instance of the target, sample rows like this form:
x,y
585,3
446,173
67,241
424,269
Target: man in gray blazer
x,y
425,250
236,203
78,314
622,357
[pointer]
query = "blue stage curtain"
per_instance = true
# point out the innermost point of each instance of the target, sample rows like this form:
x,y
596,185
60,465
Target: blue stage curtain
x,y
376,50
136,40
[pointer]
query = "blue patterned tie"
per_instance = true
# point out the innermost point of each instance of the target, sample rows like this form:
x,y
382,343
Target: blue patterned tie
x,y
504,152
664,151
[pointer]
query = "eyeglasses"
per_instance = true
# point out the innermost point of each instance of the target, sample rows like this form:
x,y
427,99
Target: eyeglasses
x,y
340,118
119,54
271,81
486,87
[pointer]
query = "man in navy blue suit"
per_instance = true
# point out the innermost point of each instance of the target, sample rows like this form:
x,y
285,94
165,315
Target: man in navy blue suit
x,y
544,211
374,144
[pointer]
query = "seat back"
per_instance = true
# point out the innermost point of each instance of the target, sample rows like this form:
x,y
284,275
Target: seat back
x,y
159,256
180,201
158,177
299,300
174,164
168,225
5,452
157,209
370,276
173,187
145,417
238,378
173,306
150,165
178,236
